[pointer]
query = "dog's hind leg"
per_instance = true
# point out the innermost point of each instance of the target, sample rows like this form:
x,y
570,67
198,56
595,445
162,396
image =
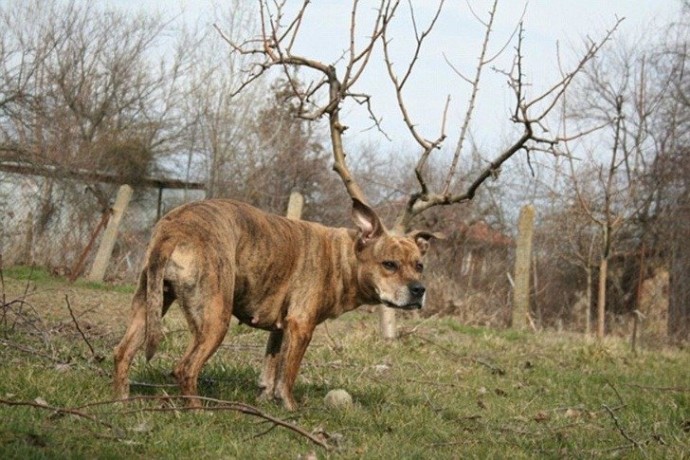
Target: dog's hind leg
x,y
131,342
134,337
209,324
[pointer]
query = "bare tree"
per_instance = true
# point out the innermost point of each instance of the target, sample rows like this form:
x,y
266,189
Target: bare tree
x,y
218,122
668,176
335,83
617,100
86,91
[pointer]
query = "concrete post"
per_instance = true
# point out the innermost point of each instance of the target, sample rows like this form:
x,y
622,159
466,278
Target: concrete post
x,y
105,250
523,256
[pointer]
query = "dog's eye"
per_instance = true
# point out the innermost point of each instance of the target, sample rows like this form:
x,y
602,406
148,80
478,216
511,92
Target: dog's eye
x,y
419,267
390,265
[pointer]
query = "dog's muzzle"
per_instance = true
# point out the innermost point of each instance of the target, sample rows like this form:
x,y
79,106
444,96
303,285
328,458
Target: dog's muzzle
x,y
415,298
417,292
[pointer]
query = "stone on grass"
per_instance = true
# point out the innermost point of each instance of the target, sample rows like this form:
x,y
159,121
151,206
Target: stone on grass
x,y
338,399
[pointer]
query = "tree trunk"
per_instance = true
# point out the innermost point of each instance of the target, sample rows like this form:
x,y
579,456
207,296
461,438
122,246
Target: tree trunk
x,y
588,301
523,256
679,281
601,298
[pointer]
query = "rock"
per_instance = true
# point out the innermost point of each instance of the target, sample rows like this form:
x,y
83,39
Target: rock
x,y
338,399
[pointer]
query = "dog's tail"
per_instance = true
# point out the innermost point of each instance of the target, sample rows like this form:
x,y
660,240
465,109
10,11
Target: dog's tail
x,y
158,257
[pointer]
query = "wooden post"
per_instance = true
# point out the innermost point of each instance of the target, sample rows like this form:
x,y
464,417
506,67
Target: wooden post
x,y
523,256
105,250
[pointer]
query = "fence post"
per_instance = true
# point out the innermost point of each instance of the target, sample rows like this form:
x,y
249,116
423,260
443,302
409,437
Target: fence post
x,y
295,205
105,249
388,325
523,256
25,255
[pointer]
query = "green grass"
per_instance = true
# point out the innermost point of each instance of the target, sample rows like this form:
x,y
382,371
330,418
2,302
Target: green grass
x,y
42,277
444,390
25,273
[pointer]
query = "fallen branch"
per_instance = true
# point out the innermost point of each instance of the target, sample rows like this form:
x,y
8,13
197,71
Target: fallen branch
x,y
220,405
58,410
620,428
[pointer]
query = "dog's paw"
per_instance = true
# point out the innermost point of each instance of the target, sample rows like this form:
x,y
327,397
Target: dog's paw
x,y
265,395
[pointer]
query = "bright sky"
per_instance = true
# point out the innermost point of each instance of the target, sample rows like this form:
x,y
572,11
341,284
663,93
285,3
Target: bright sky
x,y
458,37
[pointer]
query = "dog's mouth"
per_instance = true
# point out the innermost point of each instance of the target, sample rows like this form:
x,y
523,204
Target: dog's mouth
x,y
409,306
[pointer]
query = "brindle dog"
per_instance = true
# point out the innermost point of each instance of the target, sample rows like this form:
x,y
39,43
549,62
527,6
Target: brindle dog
x,y
219,258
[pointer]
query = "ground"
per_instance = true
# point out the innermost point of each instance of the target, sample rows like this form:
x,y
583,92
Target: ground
x,y
442,388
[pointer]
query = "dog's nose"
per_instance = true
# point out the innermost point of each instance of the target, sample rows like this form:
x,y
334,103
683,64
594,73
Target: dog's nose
x,y
417,289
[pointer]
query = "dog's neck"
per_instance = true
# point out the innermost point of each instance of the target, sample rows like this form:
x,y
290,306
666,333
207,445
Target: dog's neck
x,y
349,292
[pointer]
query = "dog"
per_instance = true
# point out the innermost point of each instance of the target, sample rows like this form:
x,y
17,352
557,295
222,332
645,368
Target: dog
x,y
220,258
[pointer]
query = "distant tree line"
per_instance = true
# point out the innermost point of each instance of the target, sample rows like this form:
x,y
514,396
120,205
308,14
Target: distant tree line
x,y
91,88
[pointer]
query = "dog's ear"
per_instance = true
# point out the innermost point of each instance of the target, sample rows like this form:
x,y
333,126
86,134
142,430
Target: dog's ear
x,y
369,224
422,239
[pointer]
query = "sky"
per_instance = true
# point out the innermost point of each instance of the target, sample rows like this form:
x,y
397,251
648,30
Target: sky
x,y
550,25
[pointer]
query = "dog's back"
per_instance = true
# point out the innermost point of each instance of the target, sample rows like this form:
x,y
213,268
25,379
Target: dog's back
x,y
265,258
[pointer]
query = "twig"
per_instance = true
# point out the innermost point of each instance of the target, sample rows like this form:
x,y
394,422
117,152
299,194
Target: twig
x,y
494,369
58,410
31,351
620,428
464,129
414,329
615,390
153,385
447,350
221,405
645,387
76,324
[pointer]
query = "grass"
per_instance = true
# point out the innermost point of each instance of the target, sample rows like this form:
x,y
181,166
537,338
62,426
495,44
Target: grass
x,y
443,389
40,276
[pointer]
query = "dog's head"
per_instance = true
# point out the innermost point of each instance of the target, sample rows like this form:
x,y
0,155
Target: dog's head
x,y
389,267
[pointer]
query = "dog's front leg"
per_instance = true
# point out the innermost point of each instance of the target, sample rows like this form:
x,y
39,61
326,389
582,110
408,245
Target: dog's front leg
x,y
268,374
297,337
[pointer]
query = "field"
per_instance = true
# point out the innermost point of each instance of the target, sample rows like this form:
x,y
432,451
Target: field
x,y
443,390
